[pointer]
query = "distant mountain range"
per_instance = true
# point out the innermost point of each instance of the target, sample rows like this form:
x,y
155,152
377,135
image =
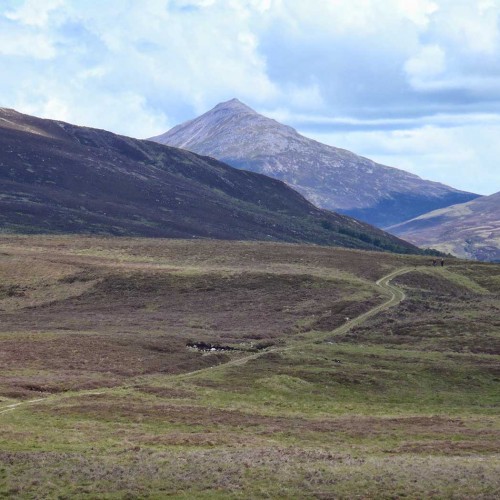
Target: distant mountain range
x,y
60,178
329,177
470,230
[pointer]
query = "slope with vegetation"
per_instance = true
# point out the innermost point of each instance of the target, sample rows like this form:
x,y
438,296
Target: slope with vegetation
x,y
60,178
107,390
469,230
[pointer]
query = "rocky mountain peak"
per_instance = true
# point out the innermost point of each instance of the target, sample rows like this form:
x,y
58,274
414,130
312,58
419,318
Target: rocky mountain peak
x,y
329,177
233,106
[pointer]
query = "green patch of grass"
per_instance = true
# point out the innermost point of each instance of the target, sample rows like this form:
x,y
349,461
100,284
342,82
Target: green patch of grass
x,y
460,279
336,379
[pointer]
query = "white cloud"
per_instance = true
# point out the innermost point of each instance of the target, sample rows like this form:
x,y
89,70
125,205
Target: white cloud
x,y
471,26
445,120
418,11
26,44
306,97
124,48
124,112
34,12
427,63
367,17
458,156
385,65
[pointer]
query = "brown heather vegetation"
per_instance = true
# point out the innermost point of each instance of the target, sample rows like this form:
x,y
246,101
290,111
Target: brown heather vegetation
x,y
101,396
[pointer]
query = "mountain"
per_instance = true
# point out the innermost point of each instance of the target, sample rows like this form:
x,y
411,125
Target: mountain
x,y
329,177
60,178
470,230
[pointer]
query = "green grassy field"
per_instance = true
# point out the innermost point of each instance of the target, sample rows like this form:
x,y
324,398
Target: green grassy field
x,y
102,394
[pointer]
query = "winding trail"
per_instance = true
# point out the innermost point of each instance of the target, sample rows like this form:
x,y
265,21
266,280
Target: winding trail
x,y
395,294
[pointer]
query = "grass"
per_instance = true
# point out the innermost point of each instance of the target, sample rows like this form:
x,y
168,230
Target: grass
x,y
402,405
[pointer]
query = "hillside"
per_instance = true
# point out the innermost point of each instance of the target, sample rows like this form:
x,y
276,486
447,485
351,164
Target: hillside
x,y
469,230
154,368
329,177
60,178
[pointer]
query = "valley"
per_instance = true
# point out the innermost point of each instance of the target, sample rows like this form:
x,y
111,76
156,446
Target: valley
x,y
325,384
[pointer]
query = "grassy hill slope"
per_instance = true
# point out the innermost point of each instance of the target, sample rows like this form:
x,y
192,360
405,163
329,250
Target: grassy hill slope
x,y
60,178
98,344
468,230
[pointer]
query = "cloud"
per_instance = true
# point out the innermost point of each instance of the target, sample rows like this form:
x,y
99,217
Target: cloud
x,y
460,156
470,27
171,55
34,12
351,57
31,45
312,123
428,63
332,67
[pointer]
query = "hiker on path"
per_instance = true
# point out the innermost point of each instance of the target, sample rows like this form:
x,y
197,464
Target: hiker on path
x,y
442,262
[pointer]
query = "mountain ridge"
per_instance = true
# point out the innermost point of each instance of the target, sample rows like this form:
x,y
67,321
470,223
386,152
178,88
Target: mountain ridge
x,y
468,230
330,177
60,178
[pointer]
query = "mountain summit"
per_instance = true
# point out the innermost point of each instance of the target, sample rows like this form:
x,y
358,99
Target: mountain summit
x,y
235,105
329,177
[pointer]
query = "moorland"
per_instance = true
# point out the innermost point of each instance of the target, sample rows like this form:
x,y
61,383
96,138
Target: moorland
x,y
148,368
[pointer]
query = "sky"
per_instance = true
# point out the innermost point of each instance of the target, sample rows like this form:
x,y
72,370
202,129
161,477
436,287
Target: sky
x,y
413,84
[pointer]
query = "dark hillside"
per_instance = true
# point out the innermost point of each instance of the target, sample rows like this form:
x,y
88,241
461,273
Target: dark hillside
x,y
60,178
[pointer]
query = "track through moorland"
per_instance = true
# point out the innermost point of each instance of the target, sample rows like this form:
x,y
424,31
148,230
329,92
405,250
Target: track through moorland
x,y
395,294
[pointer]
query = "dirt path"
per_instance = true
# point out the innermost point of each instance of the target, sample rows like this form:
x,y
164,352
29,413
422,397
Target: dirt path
x,y
13,406
395,295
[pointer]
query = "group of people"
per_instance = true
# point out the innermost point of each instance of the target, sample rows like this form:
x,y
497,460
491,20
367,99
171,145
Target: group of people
x,y
435,262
